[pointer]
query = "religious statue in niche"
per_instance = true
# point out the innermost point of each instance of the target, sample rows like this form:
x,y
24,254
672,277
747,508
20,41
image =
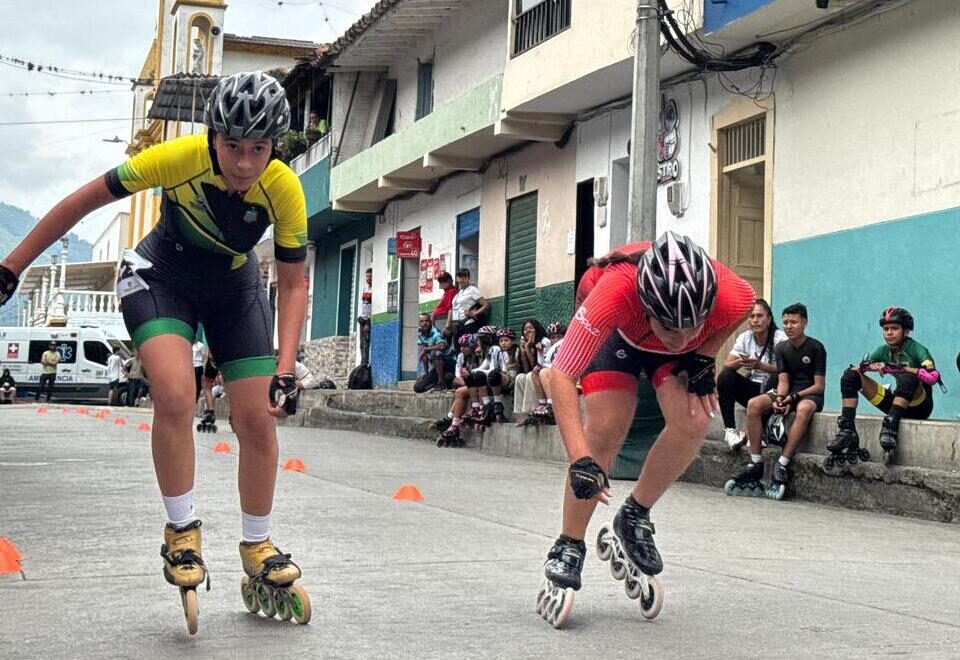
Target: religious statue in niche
x,y
199,56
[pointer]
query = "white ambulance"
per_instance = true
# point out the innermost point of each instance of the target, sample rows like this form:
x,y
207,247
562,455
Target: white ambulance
x,y
82,373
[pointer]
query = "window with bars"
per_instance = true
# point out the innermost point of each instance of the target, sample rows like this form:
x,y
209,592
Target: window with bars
x,y
744,142
535,21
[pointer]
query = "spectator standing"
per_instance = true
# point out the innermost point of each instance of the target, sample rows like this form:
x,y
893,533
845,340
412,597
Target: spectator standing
x,y
114,367
441,313
134,370
8,387
48,376
366,313
469,308
754,352
199,360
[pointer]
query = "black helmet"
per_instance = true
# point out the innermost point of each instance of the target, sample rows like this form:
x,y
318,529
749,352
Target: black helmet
x,y
556,328
676,282
897,315
776,431
248,105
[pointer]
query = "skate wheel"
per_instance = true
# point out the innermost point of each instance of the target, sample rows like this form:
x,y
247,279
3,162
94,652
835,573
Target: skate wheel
x,y
199,429
633,588
652,600
864,455
213,429
618,569
604,549
776,492
561,608
284,609
730,487
853,457
191,609
300,604
440,442
542,598
887,457
250,600
265,599
829,462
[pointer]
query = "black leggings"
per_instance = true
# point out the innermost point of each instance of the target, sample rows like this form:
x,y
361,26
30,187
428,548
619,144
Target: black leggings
x,y
733,388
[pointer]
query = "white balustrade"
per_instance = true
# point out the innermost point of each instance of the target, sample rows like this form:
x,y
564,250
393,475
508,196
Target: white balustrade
x,y
313,155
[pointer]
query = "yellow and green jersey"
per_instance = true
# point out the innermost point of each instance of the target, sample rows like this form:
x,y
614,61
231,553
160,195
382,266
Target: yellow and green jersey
x,y
198,207
911,354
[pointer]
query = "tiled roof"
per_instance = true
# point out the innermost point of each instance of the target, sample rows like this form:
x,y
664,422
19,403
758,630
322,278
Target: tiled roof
x,y
181,97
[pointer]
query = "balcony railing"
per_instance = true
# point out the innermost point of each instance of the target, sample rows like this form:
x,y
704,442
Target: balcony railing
x,y
313,155
72,307
539,23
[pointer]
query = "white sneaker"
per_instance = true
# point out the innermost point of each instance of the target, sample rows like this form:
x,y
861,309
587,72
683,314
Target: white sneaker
x,y
733,438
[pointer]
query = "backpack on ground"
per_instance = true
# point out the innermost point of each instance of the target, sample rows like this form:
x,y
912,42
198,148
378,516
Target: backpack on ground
x,y
360,378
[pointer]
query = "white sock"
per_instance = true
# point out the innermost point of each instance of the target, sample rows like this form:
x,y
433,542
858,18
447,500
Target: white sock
x,y
756,458
784,461
475,404
180,509
549,402
255,528
456,421
449,415
542,402
497,398
486,400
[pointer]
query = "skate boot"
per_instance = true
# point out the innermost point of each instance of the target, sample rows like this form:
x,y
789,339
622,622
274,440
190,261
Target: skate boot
x,y
548,417
488,415
628,545
474,418
845,448
450,438
561,579
270,586
734,439
442,424
889,437
208,424
498,416
778,485
183,567
748,482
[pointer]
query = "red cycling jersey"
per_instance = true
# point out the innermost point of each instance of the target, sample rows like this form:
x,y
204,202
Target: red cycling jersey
x,y
613,304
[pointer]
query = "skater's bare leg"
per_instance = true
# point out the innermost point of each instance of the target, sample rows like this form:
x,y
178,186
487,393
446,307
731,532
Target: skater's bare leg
x,y
801,422
676,446
607,420
257,432
756,407
543,378
461,399
169,361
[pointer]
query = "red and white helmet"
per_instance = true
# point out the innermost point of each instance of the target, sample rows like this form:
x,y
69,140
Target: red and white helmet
x,y
676,282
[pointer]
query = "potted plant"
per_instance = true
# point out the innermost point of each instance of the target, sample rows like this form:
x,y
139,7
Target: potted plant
x,y
292,144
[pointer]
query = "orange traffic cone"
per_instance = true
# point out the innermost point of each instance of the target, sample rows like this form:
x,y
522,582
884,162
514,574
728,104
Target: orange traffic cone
x,y
82,411
119,421
66,410
143,427
8,564
294,465
408,492
7,547
101,414
42,409
221,448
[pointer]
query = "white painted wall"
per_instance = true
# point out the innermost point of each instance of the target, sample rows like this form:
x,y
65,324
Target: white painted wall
x,y
470,48
110,243
868,123
235,61
436,216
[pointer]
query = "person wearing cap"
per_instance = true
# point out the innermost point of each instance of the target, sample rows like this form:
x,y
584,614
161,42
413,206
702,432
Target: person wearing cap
x,y
48,376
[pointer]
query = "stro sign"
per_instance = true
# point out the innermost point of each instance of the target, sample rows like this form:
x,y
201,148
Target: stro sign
x,y
408,244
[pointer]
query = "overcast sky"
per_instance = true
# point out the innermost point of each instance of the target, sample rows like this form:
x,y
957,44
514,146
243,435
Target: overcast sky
x,y
44,162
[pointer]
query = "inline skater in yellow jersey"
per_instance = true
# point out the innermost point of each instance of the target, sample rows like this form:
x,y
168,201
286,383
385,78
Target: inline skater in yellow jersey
x,y
221,190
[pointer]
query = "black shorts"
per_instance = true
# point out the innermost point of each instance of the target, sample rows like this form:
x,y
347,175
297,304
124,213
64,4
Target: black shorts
x,y
181,286
211,370
618,366
920,410
114,385
816,398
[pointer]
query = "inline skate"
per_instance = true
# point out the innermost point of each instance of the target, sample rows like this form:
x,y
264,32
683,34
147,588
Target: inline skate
x,y
183,567
561,579
628,545
270,584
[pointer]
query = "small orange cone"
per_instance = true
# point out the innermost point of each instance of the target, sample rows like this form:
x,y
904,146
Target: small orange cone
x,y
41,409
119,421
8,564
7,547
408,492
221,448
66,410
82,411
143,427
294,465
102,414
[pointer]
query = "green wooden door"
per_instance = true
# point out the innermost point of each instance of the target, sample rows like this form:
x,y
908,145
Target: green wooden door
x,y
521,276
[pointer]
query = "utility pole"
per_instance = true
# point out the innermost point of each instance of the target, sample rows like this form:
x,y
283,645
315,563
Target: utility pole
x,y
646,107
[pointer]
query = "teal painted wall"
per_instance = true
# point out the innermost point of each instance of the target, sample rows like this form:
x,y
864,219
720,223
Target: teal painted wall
x,y
848,278
326,275
316,187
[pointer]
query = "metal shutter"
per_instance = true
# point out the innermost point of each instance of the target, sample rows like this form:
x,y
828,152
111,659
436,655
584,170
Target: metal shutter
x,y
521,260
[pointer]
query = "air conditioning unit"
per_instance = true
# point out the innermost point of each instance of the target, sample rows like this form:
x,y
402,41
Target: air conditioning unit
x,y
600,195
675,192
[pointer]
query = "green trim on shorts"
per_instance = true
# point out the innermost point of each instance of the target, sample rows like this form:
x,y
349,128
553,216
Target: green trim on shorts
x,y
162,326
263,365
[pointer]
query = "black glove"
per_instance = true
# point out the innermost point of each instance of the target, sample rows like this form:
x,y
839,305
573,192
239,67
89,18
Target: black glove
x,y
8,284
284,392
701,373
587,479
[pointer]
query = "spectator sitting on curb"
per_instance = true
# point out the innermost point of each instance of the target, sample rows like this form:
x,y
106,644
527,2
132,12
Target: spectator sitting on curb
x,y
304,378
533,339
801,366
466,362
8,388
541,378
441,313
433,357
469,308
913,370
485,381
753,351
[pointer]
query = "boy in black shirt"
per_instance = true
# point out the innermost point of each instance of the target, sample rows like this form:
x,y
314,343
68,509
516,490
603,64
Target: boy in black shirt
x,y
801,367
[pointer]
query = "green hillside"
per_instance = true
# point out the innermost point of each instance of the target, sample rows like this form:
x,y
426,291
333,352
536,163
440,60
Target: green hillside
x,y
15,223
